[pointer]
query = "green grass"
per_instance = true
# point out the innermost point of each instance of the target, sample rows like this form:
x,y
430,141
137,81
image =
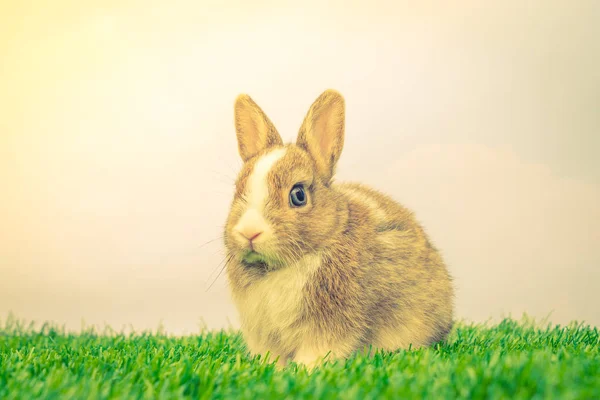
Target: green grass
x,y
514,360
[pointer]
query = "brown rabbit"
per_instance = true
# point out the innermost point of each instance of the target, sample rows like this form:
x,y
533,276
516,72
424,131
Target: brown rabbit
x,y
321,269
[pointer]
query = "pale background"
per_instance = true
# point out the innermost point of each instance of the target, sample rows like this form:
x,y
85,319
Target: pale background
x,y
117,148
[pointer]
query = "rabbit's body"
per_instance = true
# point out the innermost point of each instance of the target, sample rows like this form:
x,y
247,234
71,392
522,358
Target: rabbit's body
x,y
333,267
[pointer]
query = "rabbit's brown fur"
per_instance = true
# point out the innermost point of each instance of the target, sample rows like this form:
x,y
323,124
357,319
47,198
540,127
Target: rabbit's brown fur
x,y
349,269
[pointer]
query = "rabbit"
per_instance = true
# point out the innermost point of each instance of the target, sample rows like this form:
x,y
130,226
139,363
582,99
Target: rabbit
x,y
319,270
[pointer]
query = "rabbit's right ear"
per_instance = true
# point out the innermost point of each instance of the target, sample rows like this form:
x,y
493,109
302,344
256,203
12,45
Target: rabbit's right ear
x,y
255,132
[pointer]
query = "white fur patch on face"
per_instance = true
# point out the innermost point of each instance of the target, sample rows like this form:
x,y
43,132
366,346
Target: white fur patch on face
x,y
257,193
258,187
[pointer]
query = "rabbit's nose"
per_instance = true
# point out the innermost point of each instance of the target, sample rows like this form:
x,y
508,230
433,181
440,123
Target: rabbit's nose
x,y
250,234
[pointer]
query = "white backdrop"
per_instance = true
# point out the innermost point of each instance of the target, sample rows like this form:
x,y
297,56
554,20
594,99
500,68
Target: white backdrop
x,y
118,154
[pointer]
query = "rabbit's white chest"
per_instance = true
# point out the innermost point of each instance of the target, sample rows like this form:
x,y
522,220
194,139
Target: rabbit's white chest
x,y
270,308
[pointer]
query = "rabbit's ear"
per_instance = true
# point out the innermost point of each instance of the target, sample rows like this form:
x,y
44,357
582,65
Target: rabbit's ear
x,y
255,132
322,132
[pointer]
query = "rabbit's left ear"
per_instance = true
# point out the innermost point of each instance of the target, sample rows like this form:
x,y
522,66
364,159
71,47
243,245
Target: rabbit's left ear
x,y
255,131
322,132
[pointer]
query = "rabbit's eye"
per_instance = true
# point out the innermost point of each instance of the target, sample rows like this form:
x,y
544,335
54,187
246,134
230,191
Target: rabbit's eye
x,y
297,196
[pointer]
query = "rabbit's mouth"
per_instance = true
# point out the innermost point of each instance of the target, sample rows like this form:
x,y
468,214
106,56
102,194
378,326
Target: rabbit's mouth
x,y
254,259
252,256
